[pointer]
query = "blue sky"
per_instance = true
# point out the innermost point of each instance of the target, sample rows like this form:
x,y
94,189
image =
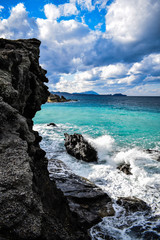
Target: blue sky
x,y
108,46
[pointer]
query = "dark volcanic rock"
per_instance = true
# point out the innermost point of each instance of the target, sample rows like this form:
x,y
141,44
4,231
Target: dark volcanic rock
x,y
79,148
125,168
56,98
87,201
156,153
52,124
132,204
31,205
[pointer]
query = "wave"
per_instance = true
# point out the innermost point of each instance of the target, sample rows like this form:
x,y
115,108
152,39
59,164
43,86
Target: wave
x,y
144,182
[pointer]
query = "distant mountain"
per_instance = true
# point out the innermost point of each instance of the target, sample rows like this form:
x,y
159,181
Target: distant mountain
x,y
66,93
61,93
119,95
88,92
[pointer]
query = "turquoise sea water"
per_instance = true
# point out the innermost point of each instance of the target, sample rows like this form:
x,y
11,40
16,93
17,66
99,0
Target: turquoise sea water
x,y
133,121
121,129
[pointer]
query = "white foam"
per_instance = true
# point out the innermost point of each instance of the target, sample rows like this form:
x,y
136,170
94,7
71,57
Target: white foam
x,y
144,182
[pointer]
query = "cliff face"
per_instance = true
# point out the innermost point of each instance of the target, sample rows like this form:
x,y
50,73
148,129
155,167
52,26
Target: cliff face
x,y
31,206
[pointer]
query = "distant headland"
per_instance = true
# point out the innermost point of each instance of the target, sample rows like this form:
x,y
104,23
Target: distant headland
x,y
89,93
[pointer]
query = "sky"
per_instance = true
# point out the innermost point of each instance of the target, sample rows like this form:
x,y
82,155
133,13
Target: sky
x,y
107,46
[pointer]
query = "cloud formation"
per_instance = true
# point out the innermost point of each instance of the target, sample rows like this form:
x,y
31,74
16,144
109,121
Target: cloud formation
x,y
126,56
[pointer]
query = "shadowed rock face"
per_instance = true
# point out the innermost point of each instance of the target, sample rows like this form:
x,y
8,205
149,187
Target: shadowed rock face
x,y
31,205
79,148
133,204
87,201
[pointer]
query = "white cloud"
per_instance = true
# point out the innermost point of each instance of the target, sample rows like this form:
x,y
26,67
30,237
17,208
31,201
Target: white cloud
x,y
86,4
63,44
149,65
144,90
128,21
78,59
113,71
71,84
53,12
1,8
101,4
18,25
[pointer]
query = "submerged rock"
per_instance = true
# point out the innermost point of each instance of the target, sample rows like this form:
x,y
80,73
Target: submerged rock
x,y
87,202
125,168
133,204
79,148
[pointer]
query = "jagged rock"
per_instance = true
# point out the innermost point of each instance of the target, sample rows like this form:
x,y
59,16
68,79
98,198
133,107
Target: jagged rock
x,y
52,124
125,168
87,202
155,152
56,98
133,204
31,206
79,148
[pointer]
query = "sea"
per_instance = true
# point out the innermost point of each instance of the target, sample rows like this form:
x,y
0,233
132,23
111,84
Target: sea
x,y
121,128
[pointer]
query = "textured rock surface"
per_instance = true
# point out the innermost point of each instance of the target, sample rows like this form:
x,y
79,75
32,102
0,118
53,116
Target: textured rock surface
x,y
155,153
132,204
79,148
31,206
56,98
126,168
87,201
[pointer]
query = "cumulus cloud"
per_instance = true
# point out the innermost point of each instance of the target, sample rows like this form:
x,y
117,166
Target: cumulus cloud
x,y
120,77
18,25
101,4
129,21
132,31
79,59
63,44
53,12
86,4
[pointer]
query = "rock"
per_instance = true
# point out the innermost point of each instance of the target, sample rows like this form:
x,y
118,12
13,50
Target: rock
x,y
132,204
87,202
52,124
151,235
125,168
56,98
79,148
31,205
155,152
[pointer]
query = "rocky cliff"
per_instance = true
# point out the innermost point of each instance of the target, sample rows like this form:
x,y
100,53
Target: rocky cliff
x,y
31,205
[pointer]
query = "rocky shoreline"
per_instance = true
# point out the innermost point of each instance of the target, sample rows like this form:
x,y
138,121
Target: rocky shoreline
x,y
34,205
31,205
56,98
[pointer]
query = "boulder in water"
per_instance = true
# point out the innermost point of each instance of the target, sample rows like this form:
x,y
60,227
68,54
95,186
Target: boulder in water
x,y
125,168
87,202
79,148
52,124
133,204
56,98
155,152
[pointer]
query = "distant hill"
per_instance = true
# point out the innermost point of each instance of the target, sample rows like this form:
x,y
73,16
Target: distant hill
x,y
119,95
88,92
61,93
66,93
